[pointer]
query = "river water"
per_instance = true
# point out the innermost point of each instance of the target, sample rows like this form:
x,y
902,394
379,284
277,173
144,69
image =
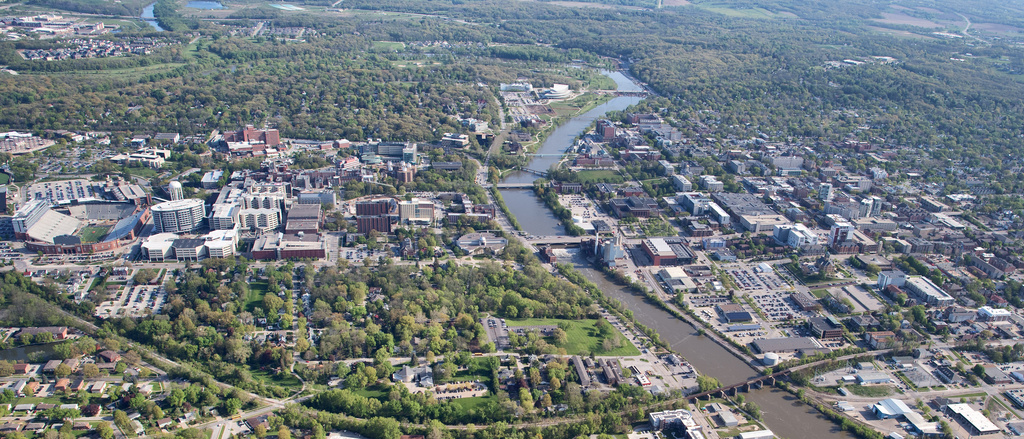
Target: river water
x,y
149,18
31,353
783,414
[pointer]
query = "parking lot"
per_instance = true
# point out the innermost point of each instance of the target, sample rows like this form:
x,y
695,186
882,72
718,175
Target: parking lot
x,y
497,332
361,252
141,300
778,306
760,277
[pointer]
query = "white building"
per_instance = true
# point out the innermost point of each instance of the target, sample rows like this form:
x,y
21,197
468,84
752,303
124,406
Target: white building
x,y
158,247
224,217
221,243
259,219
990,314
211,180
416,211
796,236
179,216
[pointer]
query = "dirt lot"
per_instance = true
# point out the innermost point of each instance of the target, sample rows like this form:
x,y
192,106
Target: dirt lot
x,y
540,109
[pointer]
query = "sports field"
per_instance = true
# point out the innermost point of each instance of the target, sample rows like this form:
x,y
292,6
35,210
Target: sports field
x,y
93,233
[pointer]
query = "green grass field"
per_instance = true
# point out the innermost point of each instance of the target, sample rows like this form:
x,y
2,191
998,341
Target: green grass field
x,y
289,381
870,391
143,172
388,46
475,403
371,392
598,81
93,233
599,176
254,299
4,178
582,337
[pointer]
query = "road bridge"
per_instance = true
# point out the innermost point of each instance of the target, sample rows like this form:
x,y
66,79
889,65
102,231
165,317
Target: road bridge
x,y
553,240
754,383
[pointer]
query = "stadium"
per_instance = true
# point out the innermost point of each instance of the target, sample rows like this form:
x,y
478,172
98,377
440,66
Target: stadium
x,y
79,228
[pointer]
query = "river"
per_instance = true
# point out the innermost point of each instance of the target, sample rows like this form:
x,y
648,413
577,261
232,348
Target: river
x,y
149,18
534,217
783,414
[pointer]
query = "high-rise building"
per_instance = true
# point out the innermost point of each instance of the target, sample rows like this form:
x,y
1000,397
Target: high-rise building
x,y
876,206
176,191
841,232
825,191
605,129
179,216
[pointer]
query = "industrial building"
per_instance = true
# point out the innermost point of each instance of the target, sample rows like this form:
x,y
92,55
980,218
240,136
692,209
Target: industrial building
x,y
972,420
303,218
925,291
668,251
806,345
890,408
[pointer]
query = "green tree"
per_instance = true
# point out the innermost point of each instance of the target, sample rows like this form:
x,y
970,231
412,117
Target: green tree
x,y
121,420
383,428
105,430
62,371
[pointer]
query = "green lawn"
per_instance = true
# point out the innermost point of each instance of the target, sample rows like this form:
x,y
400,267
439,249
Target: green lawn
x,y
821,293
599,176
93,233
582,337
476,370
287,381
475,403
254,299
372,392
143,172
4,179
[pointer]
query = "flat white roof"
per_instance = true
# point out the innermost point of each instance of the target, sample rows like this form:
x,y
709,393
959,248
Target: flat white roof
x,y
976,419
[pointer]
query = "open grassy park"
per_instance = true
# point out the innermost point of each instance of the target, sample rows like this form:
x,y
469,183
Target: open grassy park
x,y
582,337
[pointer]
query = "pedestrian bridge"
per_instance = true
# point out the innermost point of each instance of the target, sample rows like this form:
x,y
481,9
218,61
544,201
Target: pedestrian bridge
x,y
527,185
